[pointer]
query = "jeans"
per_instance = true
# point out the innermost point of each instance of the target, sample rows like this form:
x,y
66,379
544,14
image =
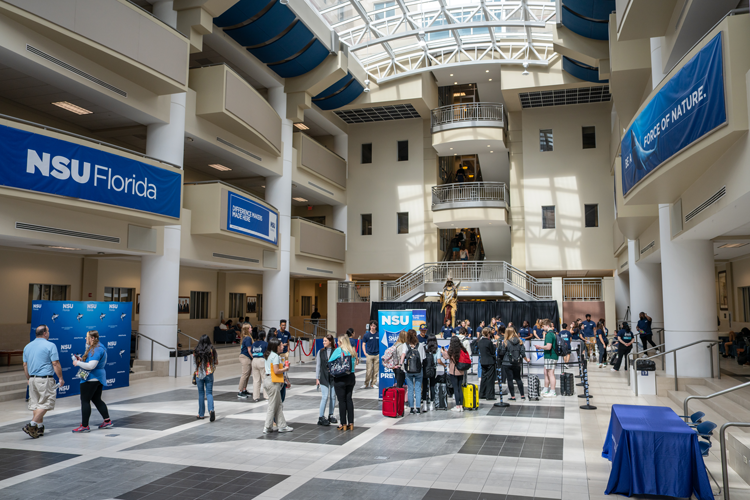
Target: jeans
x,y
205,386
602,351
457,390
373,365
92,392
511,373
344,388
326,396
414,389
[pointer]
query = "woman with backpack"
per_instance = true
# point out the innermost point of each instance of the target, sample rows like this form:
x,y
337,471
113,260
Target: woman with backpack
x,y
412,360
488,363
459,358
325,381
341,366
206,360
511,354
429,370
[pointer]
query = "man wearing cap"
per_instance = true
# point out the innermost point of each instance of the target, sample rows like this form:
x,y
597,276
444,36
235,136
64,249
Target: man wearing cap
x,y
40,363
422,337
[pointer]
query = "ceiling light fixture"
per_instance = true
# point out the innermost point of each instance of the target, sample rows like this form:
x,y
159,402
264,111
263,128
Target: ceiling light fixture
x,y
451,149
486,71
367,86
525,68
455,83
220,167
733,245
491,151
301,200
490,79
68,106
301,126
451,74
56,247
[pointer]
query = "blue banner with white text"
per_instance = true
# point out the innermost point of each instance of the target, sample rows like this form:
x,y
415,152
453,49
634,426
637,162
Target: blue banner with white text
x,y
44,164
390,325
689,106
68,322
251,218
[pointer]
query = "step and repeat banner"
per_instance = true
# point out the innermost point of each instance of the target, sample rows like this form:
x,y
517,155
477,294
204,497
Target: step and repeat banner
x,y
68,323
390,325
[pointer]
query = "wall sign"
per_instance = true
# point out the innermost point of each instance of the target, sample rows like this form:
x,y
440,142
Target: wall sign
x,y
689,106
44,164
390,324
68,322
250,218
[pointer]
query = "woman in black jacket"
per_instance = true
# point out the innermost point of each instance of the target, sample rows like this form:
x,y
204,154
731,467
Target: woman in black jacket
x,y
488,362
510,354
325,381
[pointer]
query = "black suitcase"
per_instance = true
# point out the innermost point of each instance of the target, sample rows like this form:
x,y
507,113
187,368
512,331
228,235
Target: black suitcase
x,y
645,365
441,397
567,384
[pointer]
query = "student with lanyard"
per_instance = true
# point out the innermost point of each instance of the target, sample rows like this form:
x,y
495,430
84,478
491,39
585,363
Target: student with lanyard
x,y
601,341
644,330
257,351
626,339
587,328
565,336
447,331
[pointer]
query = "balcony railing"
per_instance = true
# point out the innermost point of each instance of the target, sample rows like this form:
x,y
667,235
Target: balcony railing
x,y
476,114
470,195
582,289
354,291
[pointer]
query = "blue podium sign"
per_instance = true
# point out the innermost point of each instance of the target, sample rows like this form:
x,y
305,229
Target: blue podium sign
x,y
47,165
390,325
250,218
68,323
689,106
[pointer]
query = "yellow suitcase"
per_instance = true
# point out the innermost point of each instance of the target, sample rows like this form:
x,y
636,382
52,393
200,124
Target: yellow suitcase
x,y
471,397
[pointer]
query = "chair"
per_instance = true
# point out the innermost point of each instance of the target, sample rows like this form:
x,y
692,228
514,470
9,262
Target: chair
x,y
705,430
695,418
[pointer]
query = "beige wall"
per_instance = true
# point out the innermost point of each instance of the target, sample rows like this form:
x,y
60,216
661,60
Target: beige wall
x,y
567,178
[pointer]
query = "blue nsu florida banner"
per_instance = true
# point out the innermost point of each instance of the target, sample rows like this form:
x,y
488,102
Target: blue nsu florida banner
x,y
390,325
689,106
251,218
68,322
47,165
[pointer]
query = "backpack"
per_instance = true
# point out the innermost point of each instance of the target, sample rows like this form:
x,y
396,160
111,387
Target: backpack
x,y
412,361
430,367
390,357
561,347
340,366
464,361
513,351
475,347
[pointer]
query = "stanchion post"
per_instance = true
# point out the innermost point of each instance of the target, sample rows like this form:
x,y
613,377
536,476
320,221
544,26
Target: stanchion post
x,y
501,403
588,405
580,367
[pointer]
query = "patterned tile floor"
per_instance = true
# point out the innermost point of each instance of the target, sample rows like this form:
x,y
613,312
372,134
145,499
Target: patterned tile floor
x,y
548,449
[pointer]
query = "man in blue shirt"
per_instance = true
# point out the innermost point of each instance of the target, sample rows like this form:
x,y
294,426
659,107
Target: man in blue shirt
x,y
283,337
644,330
469,330
422,337
587,328
40,363
565,336
447,331
372,352
625,343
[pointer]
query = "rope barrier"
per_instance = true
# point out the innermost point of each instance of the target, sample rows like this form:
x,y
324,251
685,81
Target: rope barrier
x,y
302,348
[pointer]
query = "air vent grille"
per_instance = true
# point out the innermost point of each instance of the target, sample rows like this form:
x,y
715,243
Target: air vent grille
x,y
378,114
235,257
241,150
563,97
75,70
700,208
624,264
319,270
648,247
322,189
66,232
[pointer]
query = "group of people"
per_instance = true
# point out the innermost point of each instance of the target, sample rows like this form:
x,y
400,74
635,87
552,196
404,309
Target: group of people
x,y
463,244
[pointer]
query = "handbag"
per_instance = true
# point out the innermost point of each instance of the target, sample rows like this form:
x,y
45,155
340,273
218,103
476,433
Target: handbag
x,y
277,379
195,382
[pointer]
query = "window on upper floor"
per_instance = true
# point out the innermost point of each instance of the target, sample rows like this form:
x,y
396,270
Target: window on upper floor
x,y
403,150
366,224
548,217
591,213
366,153
588,135
403,222
545,140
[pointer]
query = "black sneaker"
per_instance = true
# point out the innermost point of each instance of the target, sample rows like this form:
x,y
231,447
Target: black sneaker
x,y
32,431
323,421
412,412
40,430
213,416
242,395
417,411
332,419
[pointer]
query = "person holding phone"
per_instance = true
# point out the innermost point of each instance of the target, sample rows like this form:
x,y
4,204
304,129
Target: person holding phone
x,y
275,371
93,377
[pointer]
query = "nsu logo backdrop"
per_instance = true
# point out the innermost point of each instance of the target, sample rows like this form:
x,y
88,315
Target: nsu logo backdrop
x,y
390,325
68,322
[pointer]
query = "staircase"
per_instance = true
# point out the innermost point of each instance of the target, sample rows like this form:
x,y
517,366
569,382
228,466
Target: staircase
x,y
491,277
229,355
12,386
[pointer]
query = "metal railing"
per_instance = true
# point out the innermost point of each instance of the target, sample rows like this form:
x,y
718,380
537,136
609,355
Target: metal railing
x,y
711,396
170,349
467,115
190,339
723,447
468,192
711,345
471,271
354,291
582,289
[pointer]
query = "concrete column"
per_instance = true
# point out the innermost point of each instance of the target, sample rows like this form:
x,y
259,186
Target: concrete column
x,y
657,68
622,296
160,274
645,288
557,295
610,302
687,271
279,194
375,291
333,303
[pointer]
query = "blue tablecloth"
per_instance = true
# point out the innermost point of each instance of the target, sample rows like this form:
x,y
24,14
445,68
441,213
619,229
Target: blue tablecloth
x,y
654,452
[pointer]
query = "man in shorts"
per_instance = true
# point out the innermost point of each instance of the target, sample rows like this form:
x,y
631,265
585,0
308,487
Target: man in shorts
x,y
40,363
550,359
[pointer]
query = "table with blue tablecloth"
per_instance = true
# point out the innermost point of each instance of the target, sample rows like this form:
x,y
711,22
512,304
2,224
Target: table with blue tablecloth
x,y
654,452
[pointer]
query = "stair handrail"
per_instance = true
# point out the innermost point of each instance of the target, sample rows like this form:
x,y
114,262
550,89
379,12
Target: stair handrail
x,y
711,396
723,447
139,334
711,343
190,344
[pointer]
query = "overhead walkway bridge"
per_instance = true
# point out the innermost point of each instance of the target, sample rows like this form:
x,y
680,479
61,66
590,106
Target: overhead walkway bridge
x,y
478,279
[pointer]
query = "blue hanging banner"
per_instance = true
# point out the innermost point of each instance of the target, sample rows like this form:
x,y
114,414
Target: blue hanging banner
x,y
68,323
47,165
251,218
390,325
689,106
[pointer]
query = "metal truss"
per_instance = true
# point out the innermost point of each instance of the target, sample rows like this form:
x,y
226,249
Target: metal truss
x,y
397,38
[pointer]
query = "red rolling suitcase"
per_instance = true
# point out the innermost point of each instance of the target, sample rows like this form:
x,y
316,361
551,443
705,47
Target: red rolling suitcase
x,y
393,402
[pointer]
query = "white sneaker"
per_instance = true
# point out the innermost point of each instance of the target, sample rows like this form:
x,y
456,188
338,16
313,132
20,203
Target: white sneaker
x,y
462,409
600,365
286,429
363,387
612,370
456,409
550,395
266,430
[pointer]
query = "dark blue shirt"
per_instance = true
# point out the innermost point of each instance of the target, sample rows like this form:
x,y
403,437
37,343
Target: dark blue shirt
x,y
645,325
372,343
447,332
538,332
469,331
499,324
565,335
247,342
284,338
524,333
576,335
259,348
625,336
602,333
421,339
588,328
